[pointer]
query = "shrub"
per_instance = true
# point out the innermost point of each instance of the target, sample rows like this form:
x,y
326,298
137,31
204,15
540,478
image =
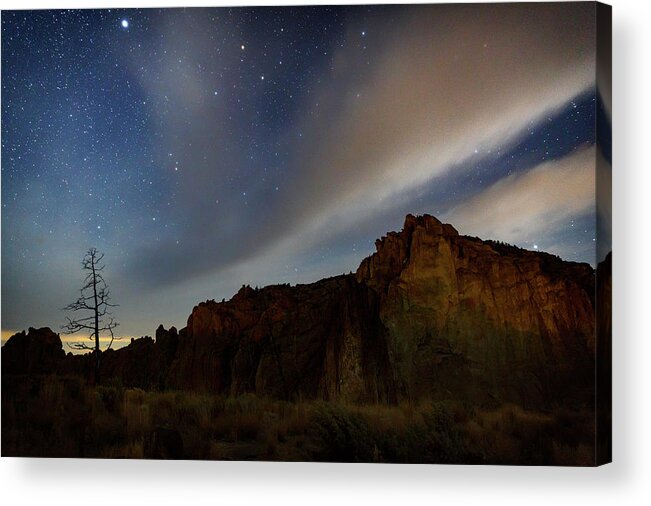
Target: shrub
x,y
341,436
443,442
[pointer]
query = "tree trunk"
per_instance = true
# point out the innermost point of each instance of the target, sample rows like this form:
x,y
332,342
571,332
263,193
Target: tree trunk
x,y
97,358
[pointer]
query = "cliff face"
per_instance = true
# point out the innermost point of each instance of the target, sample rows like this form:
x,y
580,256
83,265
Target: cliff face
x,y
318,340
478,318
431,314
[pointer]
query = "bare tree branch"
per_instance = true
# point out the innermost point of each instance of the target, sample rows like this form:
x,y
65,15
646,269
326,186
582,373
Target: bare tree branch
x,y
80,346
110,328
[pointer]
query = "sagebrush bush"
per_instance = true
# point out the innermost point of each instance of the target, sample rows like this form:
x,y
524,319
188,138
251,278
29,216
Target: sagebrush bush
x,y
341,436
64,417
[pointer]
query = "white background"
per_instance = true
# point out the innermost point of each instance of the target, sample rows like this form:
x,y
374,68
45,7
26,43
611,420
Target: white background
x,y
626,481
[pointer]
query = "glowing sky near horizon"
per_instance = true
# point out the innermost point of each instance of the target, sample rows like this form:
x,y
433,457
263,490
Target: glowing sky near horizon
x,y
202,149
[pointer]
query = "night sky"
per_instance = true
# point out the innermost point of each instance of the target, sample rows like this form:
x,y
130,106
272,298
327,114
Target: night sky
x,y
203,149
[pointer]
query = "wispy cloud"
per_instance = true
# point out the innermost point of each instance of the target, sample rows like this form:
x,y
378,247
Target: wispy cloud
x,y
532,207
444,85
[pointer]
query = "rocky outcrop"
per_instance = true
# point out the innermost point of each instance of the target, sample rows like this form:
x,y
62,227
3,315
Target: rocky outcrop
x,y
319,340
140,364
430,315
143,363
37,352
481,319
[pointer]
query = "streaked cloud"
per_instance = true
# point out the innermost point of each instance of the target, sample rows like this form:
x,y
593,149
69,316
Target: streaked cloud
x,y
533,206
446,84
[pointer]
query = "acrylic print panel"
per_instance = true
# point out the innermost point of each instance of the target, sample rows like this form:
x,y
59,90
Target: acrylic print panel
x,y
205,176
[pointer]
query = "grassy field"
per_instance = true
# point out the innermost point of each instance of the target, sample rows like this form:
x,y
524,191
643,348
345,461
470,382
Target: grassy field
x,y
62,417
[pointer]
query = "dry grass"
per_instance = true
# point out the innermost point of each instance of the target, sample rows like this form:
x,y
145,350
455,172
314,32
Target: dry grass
x,y
63,417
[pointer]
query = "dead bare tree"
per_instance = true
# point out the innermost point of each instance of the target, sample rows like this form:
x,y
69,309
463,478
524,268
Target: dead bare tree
x,y
94,299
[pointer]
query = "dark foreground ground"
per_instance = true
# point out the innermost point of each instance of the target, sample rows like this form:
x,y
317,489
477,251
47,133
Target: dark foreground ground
x,y
54,416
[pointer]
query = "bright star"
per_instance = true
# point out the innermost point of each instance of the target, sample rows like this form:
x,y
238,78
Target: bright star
x,y
125,23
535,246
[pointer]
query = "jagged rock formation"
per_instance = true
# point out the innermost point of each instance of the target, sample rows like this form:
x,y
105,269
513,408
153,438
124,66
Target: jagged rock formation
x,y
143,363
431,314
38,352
319,340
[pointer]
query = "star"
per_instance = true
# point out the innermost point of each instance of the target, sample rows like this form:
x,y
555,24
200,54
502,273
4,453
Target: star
x,y
125,23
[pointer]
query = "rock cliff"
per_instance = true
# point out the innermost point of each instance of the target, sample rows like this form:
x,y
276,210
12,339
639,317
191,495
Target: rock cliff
x,y
479,318
319,340
39,351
